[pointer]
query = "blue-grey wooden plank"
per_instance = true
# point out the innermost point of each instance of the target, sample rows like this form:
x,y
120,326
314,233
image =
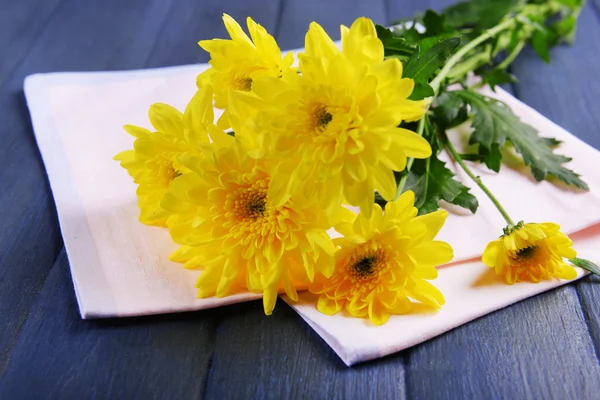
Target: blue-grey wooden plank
x,y
567,91
104,35
539,348
20,26
297,15
588,289
536,349
59,356
29,234
77,36
302,364
190,22
400,9
280,356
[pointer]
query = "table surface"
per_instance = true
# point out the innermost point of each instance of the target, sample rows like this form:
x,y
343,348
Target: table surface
x,y
544,347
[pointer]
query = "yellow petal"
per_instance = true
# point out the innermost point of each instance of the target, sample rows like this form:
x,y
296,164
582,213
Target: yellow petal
x,y
328,306
166,119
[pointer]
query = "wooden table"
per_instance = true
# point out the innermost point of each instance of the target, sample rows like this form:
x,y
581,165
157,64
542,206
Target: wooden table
x,y
544,347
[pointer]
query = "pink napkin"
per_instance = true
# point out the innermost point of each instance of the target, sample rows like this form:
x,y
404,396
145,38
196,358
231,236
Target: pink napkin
x,y
121,268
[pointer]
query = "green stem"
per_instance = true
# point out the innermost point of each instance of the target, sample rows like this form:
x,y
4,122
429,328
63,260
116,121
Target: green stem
x,y
409,162
470,64
435,83
513,54
478,181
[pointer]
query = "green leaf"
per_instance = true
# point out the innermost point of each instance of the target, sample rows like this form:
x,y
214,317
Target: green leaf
x,y
539,41
471,157
435,24
478,14
571,3
431,182
586,264
515,37
496,77
565,29
421,91
428,42
420,67
380,200
394,46
494,123
449,111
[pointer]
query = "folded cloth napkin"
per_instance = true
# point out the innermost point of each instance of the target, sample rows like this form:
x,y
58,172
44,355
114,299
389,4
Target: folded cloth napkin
x,y
121,268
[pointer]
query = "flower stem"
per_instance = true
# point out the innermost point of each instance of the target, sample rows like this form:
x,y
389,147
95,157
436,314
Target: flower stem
x,y
513,54
409,162
478,181
435,83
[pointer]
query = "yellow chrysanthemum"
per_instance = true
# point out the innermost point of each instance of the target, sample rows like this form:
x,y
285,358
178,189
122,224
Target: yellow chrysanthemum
x,y
383,260
336,124
531,252
228,226
154,161
238,62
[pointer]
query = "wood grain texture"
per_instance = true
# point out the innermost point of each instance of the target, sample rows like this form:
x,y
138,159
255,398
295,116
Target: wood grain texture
x,y
280,357
297,15
539,348
58,355
400,9
73,37
566,90
569,89
20,27
191,21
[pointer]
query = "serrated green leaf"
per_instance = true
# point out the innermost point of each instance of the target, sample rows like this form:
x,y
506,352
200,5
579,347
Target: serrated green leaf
x,y
449,111
420,67
496,77
586,264
392,45
435,24
494,123
479,14
431,182
471,157
421,91
428,42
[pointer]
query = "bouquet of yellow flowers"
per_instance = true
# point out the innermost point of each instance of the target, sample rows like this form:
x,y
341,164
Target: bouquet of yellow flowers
x,y
343,141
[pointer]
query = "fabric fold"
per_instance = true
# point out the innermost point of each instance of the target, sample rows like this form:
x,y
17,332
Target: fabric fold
x,y
121,268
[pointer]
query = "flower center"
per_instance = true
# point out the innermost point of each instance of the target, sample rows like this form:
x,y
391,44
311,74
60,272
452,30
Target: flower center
x,y
164,170
256,206
320,117
527,253
526,258
364,266
244,84
251,204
